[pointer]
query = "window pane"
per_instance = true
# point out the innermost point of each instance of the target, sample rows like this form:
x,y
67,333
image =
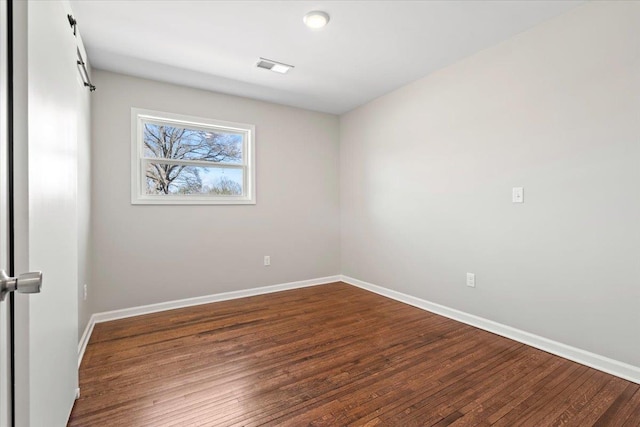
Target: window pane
x,y
181,143
165,179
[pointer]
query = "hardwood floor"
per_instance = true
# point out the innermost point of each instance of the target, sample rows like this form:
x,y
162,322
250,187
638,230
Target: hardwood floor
x,y
332,355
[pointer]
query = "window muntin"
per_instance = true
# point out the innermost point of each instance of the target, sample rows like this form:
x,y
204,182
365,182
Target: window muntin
x,y
185,160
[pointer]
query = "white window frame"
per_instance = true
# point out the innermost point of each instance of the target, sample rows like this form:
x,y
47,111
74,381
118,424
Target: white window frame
x,y
138,160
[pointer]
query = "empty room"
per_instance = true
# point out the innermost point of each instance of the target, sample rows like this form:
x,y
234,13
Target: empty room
x,y
331,213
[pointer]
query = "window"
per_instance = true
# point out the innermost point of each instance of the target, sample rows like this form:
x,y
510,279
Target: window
x,y
189,160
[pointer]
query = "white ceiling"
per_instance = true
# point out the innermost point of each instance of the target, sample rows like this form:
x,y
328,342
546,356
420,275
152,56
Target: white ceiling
x,y
368,49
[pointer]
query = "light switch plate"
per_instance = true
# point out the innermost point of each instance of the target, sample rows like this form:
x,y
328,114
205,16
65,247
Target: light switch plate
x,y
517,195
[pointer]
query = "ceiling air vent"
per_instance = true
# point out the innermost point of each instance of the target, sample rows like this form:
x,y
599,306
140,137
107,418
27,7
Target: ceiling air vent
x,y
275,66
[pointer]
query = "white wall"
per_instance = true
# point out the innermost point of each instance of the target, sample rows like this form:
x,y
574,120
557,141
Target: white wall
x,y
84,201
427,172
149,254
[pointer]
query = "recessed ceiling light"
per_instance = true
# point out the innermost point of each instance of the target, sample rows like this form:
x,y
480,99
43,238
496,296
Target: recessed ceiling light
x,y
275,66
316,19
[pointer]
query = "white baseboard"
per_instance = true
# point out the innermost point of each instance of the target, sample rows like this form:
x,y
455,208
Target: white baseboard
x,y
596,361
84,340
188,302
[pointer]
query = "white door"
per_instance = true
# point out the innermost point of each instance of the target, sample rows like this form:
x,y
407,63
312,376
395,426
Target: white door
x,y
45,198
5,348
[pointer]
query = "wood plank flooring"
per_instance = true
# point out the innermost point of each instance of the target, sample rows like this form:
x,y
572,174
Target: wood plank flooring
x,y
332,355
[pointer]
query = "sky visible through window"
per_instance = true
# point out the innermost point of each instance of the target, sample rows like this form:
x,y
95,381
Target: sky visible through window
x,y
162,141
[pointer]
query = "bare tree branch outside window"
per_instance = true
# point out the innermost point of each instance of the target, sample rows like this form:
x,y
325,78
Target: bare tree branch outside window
x,y
177,143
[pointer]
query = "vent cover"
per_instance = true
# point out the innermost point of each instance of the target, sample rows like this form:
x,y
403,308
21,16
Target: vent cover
x,y
275,66
265,64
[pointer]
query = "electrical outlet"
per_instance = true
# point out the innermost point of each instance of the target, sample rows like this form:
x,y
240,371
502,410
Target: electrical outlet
x,y
84,288
267,260
517,195
471,280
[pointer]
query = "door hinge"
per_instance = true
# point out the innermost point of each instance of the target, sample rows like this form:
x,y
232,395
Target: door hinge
x,y
72,23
